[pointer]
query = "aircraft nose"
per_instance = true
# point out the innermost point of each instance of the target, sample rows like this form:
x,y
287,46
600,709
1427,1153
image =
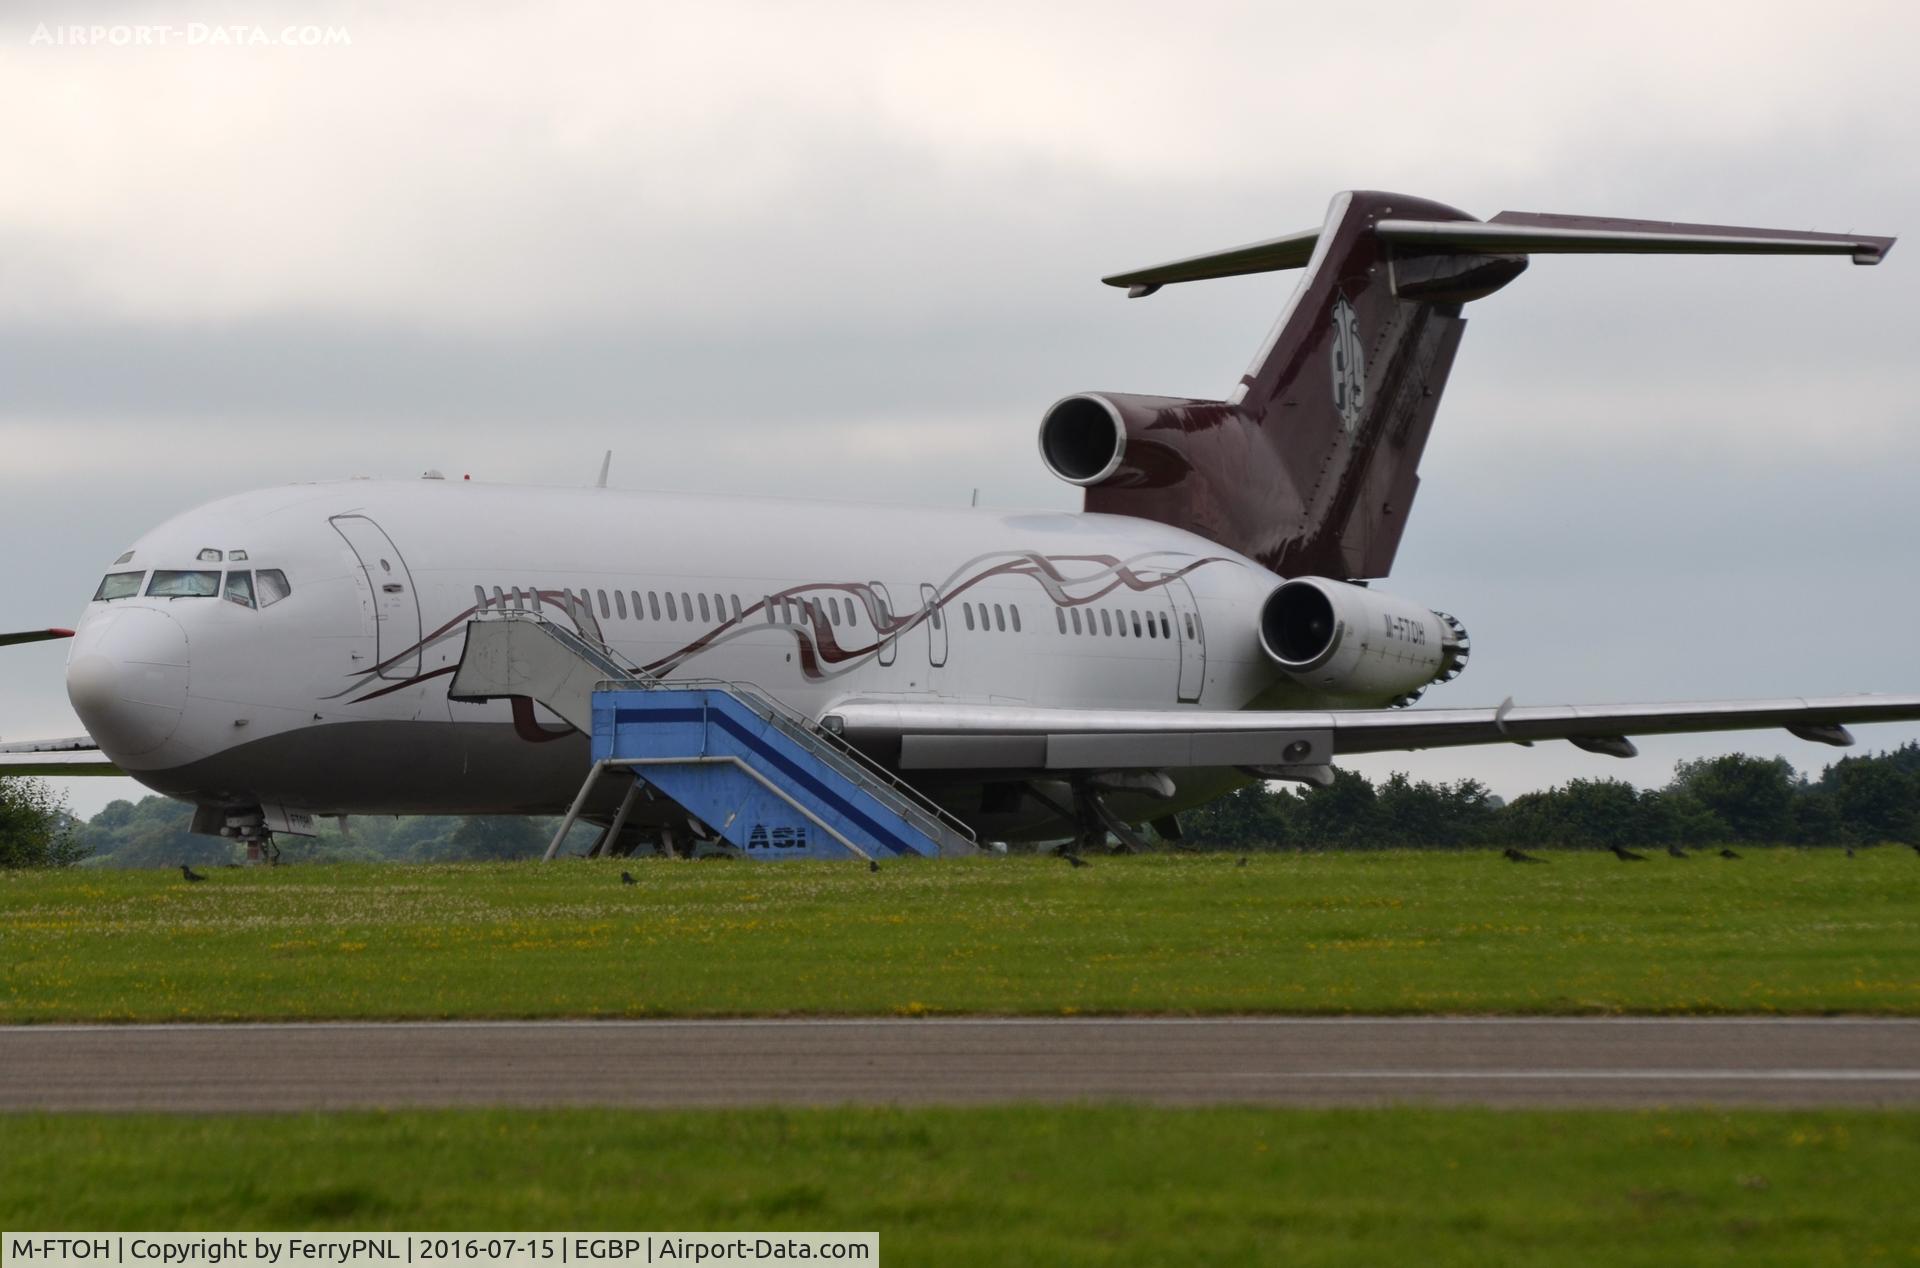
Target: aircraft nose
x,y
127,679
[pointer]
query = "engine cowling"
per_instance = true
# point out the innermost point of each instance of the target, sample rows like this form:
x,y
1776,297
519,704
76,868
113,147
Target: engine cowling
x,y
1347,641
1118,441
1082,438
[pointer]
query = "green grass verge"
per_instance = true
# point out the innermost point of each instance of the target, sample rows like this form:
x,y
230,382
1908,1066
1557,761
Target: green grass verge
x,y
1019,1185
1778,931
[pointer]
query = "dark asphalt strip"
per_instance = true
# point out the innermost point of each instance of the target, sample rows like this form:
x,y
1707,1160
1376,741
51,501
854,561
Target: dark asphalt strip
x,y
1783,1062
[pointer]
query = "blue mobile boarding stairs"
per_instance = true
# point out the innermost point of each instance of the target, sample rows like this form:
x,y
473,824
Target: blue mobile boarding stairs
x,y
771,782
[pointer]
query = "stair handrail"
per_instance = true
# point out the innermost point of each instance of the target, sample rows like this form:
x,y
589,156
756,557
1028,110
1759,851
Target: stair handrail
x,y
909,802
599,655
830,745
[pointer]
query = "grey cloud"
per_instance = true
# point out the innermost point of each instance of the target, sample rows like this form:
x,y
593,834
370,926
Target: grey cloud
x,y
292,369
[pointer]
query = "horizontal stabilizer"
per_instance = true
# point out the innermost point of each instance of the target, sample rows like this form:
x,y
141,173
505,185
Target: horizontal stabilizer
x,y
1542,233
1517,233
1290,252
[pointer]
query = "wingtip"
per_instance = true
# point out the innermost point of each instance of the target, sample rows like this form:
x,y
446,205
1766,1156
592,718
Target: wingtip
x,y
1873,250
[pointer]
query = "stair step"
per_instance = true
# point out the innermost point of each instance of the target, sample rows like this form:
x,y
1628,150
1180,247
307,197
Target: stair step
x,y
770,781
772,790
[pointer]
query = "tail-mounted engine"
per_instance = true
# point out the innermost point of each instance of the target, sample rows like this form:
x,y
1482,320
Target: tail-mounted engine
x,y
1144,455
1347,641
1082,438
1118,440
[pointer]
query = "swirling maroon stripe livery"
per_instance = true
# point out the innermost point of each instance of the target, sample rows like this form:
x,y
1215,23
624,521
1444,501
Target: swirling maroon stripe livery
x,y
818,644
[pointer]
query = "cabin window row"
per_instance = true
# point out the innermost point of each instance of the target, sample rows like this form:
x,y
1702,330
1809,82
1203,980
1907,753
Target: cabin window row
x,y
1118,623
622,605
833,610
669,605
993,617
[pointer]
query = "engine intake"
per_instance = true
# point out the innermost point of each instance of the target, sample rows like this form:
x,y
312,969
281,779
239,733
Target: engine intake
x,y
1350,642
1082,438
1299,626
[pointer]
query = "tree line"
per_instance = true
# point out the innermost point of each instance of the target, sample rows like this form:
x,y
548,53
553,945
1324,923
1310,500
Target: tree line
x,y
1720,800
1735,799
36,831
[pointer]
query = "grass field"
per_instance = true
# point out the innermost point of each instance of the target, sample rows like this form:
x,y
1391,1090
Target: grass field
x,y
1777,931
1097,1185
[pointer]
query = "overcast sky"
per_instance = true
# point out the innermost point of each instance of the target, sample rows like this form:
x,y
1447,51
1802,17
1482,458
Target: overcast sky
x,y
853,249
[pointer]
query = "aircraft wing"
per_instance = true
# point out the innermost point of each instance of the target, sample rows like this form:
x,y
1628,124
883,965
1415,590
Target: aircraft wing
x,y
959,736
33,636
74,755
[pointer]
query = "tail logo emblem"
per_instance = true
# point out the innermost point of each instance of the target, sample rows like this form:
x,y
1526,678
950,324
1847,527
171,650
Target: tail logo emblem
x,y
1349,373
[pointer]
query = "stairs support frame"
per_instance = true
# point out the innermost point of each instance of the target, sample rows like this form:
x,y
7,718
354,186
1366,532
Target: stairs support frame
x,y
727,759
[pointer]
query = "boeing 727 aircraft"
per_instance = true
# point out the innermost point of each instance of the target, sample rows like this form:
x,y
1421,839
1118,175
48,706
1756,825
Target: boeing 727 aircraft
x,y
288,653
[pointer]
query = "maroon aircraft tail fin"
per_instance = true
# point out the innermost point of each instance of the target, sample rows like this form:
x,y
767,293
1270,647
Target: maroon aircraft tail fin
x,y
1310,465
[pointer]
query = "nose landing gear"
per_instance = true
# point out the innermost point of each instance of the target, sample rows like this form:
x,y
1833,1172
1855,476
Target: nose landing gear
x,y
250,828
248,825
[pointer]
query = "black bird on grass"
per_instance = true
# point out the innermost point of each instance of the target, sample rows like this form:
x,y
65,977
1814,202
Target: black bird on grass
x,y
1074,859
1512,855
626,878
190,874
872,866
1625,855
1675,852
1728,854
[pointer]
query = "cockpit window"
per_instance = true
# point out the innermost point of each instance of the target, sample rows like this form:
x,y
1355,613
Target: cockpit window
x,y
273,586
183,585
240,588
118,585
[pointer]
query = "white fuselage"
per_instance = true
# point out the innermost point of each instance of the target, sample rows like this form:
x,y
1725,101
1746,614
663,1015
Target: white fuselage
x,y
333,699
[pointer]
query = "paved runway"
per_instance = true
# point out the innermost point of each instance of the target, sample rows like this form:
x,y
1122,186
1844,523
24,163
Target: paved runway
x,y
1269,1061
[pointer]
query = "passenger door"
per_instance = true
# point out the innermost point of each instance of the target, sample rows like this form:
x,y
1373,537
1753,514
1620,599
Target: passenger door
x,y
396,607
